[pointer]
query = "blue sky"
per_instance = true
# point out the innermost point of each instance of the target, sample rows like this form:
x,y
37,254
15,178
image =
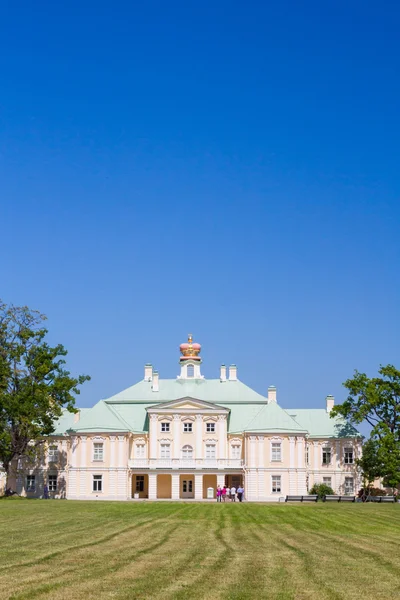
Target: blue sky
x,y
225,169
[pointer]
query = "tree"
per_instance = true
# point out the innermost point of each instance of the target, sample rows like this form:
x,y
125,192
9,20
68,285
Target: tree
x,y
35,388
377,401
321,489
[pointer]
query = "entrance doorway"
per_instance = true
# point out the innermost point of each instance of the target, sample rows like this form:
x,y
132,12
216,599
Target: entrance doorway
x,y
234,480
140,485
187,486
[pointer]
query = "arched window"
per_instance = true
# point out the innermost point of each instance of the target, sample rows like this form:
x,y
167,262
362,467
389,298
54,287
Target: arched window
x,y
187,452
190,370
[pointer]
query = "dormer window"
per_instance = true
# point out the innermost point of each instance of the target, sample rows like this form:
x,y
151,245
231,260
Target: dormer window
x,y
190,371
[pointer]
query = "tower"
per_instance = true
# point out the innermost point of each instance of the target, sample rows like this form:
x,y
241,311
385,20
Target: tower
x,y
190,360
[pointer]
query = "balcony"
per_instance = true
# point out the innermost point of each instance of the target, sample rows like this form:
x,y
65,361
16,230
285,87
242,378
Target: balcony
x,y
185,463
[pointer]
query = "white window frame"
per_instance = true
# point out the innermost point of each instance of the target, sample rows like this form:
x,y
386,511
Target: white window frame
x,y
327,481
188,427
52,483
210,427
165,426
276,451
190,371
31,483
236,451
165,450
348,456
98,456
347,491
53,453
211,451
97,484
187,452
276,484
327,450
140,450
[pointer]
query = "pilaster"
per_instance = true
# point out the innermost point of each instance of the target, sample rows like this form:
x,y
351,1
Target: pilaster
x,y
82,474
152,486
177,438
222,435
175,483
261,451
252,453
112,476
198,487
153,436
292,472
317,457
199,437
301,470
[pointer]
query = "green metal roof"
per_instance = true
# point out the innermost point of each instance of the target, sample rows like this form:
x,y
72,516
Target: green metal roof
x,y
318,423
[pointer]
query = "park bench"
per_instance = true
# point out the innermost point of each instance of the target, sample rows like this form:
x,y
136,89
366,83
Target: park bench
x,y
334,498
308,498
382,499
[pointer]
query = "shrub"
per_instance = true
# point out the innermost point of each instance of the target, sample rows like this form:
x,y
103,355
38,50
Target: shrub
x,y
321,489
371,491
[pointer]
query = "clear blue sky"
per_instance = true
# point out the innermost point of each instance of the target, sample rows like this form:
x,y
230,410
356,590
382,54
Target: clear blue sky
x,y
223,168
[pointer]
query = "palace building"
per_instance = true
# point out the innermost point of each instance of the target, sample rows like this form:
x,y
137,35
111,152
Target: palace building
x,y
180,438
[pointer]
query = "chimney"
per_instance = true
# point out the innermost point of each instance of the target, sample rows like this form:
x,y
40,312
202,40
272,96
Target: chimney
x,y
148,372
271,394
232,373
330,402
77,416
222,375
155,387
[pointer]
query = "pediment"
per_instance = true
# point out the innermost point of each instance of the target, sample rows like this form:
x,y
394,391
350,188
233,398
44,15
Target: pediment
x,y
188,404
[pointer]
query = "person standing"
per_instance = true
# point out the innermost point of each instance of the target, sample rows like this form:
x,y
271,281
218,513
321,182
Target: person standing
x,y
46,492
240,492
228,492
224,494
219,493
233,493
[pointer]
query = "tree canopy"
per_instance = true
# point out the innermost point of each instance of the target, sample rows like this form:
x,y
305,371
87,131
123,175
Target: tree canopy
x,y
35,387
377,401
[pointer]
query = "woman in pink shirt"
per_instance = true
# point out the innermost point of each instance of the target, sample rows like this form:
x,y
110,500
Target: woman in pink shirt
x,y
219,493
224,493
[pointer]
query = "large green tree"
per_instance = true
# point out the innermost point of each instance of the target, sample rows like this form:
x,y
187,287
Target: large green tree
x,y
376,400
35,387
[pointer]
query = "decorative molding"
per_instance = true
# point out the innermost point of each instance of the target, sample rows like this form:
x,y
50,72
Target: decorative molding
x,y
165,441
300,439
253,438
177,417
140,440
235,441
113,438
221,417
153,417
187,418
261,438
121,438
292,439
98,438
211,440
199,417
83,439
276,438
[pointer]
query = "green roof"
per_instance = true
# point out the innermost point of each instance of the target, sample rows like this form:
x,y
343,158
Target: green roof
x,y
249,411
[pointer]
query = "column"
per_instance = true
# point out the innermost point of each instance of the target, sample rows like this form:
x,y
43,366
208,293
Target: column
x,y
292,472
177,438
221,480
301,471
199,438
338,470
152,486
222,436
198,487
82,473
175,485
251,478
252,453
316,462
261,472
72,474
112,473
153,436
122,467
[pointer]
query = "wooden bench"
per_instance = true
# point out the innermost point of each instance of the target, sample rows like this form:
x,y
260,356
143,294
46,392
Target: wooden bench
x,y
382,499
308,498
333,498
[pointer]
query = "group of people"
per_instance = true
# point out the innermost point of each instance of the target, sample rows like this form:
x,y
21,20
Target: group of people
x,y
226,492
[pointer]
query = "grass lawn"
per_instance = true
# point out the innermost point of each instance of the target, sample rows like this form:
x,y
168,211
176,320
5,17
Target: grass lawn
x,y
97,550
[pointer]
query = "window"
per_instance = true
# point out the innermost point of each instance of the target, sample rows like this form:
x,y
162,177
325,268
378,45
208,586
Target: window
x,y
30,483
97,483
210,450
276,454
140,451
348,456
326,456
190,371
52,483
235,451
165,427
53,453
165,451
98,451
276,484
210,427
187,452
327,481
187,427
139,483
349,485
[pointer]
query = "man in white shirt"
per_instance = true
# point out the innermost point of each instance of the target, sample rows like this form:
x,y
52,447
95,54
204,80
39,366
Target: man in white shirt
x,y
233,493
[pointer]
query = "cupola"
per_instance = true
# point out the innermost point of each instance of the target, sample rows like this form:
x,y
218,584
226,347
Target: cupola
x,y
190,360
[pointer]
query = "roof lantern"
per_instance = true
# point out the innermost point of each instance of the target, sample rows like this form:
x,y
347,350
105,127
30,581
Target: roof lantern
x,y
190,350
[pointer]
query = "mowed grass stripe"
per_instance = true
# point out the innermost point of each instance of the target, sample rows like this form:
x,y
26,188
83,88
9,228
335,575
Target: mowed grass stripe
x,y
185,550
